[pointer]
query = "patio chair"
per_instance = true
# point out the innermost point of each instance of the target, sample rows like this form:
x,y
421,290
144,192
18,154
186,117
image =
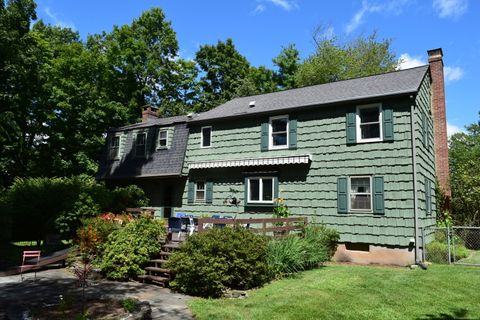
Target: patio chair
x,y
30,260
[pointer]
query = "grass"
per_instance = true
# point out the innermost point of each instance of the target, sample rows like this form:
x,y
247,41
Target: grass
x,y
357,292
473,258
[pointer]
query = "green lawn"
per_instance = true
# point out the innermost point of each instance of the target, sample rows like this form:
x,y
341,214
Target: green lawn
x,y
473,258
357,292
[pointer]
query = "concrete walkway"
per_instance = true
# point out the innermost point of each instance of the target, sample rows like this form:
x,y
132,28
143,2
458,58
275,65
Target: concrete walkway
x,y
17,296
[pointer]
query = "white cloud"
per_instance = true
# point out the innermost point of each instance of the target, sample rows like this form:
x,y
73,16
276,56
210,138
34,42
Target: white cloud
x,y
453,73
452,129
450,8
286,5
259,9
407,61
394,7
57,21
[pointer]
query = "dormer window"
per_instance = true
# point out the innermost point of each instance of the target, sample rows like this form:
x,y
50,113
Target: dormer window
x,y
114,148
162,139
140,144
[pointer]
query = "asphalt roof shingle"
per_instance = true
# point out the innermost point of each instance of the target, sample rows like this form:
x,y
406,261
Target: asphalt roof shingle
x,y
387,84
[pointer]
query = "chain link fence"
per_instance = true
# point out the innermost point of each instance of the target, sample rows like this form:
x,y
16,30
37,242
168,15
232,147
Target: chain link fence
x,y
458,245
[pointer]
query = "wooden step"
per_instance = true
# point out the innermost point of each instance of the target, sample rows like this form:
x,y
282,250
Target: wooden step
x,y
171,245
161,261
155,269
156,279
165,253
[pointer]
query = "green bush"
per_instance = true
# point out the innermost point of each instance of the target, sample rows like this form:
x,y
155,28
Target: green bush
x,y
129,248
437,251
293,254
216,259
38,206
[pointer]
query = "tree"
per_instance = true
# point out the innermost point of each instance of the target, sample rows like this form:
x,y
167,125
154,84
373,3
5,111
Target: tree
x,y
258,81
223,70
464,152
140,62
287,62
19,84
333,61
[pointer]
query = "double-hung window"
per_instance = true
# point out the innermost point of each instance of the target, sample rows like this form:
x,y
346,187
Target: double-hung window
x,y
206,137
140,144
278,137
162,139
361,194
200,191
114,148
260,189
369,123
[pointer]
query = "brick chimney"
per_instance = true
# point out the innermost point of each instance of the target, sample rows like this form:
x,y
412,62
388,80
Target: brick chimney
x,y
148,113
435,60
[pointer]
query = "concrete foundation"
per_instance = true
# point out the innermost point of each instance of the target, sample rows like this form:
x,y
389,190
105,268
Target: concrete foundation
x,y
374,254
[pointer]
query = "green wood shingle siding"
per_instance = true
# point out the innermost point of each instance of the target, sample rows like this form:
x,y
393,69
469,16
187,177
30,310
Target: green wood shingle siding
x,y
312,190
425,154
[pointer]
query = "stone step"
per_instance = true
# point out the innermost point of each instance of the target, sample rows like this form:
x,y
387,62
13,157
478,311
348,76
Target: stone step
x,y
159,270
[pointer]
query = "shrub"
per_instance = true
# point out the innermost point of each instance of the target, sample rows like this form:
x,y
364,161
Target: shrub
x,y
293,254
129,248
38,206
216,259
129,304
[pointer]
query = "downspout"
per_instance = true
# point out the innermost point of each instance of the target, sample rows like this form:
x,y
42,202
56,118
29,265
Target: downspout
x,y
415,190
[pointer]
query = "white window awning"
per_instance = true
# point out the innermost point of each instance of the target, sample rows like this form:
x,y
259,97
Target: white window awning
x,y
302,159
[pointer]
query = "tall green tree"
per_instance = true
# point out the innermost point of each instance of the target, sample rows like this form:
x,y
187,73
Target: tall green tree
x,y
287,62
464,155
20,114
258,81
333,60
223,70
140,61
79,111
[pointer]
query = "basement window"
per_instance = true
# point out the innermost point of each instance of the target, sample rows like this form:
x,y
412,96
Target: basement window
x,y
352,246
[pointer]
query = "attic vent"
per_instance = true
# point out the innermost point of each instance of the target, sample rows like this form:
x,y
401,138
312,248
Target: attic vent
x,y
252,104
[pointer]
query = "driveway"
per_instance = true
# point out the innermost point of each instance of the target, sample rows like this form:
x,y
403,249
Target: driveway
x,y
17,296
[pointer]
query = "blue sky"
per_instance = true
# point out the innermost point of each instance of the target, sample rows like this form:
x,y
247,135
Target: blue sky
x,y
259,29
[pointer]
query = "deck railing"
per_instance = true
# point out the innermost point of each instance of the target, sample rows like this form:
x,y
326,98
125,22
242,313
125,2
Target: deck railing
x,y
274,226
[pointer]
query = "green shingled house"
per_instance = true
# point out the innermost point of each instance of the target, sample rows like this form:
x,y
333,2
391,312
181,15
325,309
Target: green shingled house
x,y
358,155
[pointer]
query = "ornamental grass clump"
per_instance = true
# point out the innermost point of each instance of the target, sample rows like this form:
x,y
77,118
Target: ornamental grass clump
x,y
293,254
220,258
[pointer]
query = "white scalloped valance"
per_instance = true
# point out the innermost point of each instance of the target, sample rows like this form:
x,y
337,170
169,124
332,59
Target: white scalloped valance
x,y
249,162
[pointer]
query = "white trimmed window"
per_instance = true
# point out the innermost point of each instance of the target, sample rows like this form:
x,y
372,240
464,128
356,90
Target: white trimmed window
x,y
260,189
206,137
361,194
114,148
140,144
200,191
162,139
369,123
278,135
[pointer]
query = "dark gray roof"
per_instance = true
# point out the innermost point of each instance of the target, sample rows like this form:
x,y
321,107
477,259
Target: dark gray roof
x,y
153,122
157,162
387,84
